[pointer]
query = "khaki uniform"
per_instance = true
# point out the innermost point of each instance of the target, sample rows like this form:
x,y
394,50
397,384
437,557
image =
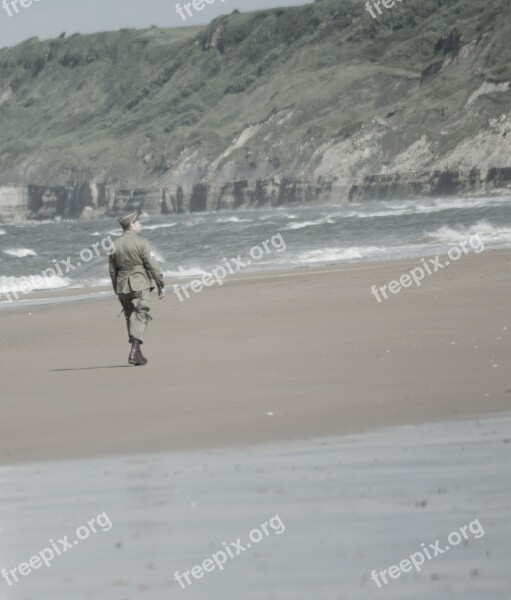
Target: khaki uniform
x,y
132,269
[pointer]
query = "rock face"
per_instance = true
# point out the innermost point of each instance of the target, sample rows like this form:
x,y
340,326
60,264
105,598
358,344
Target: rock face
x,y
86,201
67,202
438,183
13,204
313,103
90,200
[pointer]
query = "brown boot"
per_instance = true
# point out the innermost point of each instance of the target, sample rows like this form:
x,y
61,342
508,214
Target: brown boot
x,y
136,357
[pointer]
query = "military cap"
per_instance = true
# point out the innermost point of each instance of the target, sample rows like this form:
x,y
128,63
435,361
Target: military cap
x,y
128,219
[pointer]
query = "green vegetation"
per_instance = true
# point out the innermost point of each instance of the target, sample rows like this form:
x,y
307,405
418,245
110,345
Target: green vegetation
x,y
131,106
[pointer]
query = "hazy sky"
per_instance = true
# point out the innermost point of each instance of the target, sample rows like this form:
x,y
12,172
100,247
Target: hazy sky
x,y
49,18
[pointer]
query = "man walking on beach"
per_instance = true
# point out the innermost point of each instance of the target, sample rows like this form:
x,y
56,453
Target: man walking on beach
x,y
132,268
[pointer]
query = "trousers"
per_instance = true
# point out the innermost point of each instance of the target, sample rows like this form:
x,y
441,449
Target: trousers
x,y
136,307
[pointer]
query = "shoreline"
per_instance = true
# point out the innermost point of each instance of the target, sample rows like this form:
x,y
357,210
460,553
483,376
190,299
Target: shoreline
x,y
103,292
303,354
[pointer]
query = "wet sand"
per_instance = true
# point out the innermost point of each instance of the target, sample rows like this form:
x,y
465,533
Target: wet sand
x,y
269,358
349,505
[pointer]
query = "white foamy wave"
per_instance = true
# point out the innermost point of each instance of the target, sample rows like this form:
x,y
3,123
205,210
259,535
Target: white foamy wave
x,y
31,283
197,221
189,272
431,205
379,213
277,215
452,204
302,224
463,203
157,255
233,220
2,232
20,252
333,255
94,282
396,208
483,229
444,204
395,212
160,226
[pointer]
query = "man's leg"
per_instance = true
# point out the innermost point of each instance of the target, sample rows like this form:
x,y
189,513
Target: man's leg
x,y
125,300
140,317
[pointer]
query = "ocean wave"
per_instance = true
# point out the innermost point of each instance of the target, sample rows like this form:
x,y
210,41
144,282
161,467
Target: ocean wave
x,y
189,272
31,283
118,233
452,204
20,252
159,226
302,224
91,282
483,228
396,208
334,255
105,233
395,212
378,213
38,223
197,221
276,216
233,220
431,205
2,232
157,255
449,203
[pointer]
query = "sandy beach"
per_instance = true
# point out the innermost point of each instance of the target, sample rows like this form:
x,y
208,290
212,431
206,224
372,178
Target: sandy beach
x,y
369,431
268,358
348,505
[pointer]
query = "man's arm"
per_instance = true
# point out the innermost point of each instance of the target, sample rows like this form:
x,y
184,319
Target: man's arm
x,y
153,267
112,267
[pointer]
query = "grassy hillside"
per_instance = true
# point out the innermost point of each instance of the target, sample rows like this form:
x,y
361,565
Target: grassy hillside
x,y
321,89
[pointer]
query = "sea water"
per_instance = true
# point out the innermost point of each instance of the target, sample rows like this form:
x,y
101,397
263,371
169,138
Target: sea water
x,y
190,245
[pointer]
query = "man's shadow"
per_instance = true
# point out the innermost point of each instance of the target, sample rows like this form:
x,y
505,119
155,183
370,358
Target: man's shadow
x,y
92,368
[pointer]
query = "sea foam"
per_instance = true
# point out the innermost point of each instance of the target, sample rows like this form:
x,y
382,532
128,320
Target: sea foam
x,y
189,272
302,224
233,220
159,226
31,283
334,255
483,228
20,252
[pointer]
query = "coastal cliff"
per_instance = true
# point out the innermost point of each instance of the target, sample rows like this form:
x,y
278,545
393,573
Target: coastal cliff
x,y
314,103
86,201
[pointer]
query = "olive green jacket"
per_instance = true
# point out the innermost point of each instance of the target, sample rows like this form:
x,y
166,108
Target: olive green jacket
x,y
132,267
